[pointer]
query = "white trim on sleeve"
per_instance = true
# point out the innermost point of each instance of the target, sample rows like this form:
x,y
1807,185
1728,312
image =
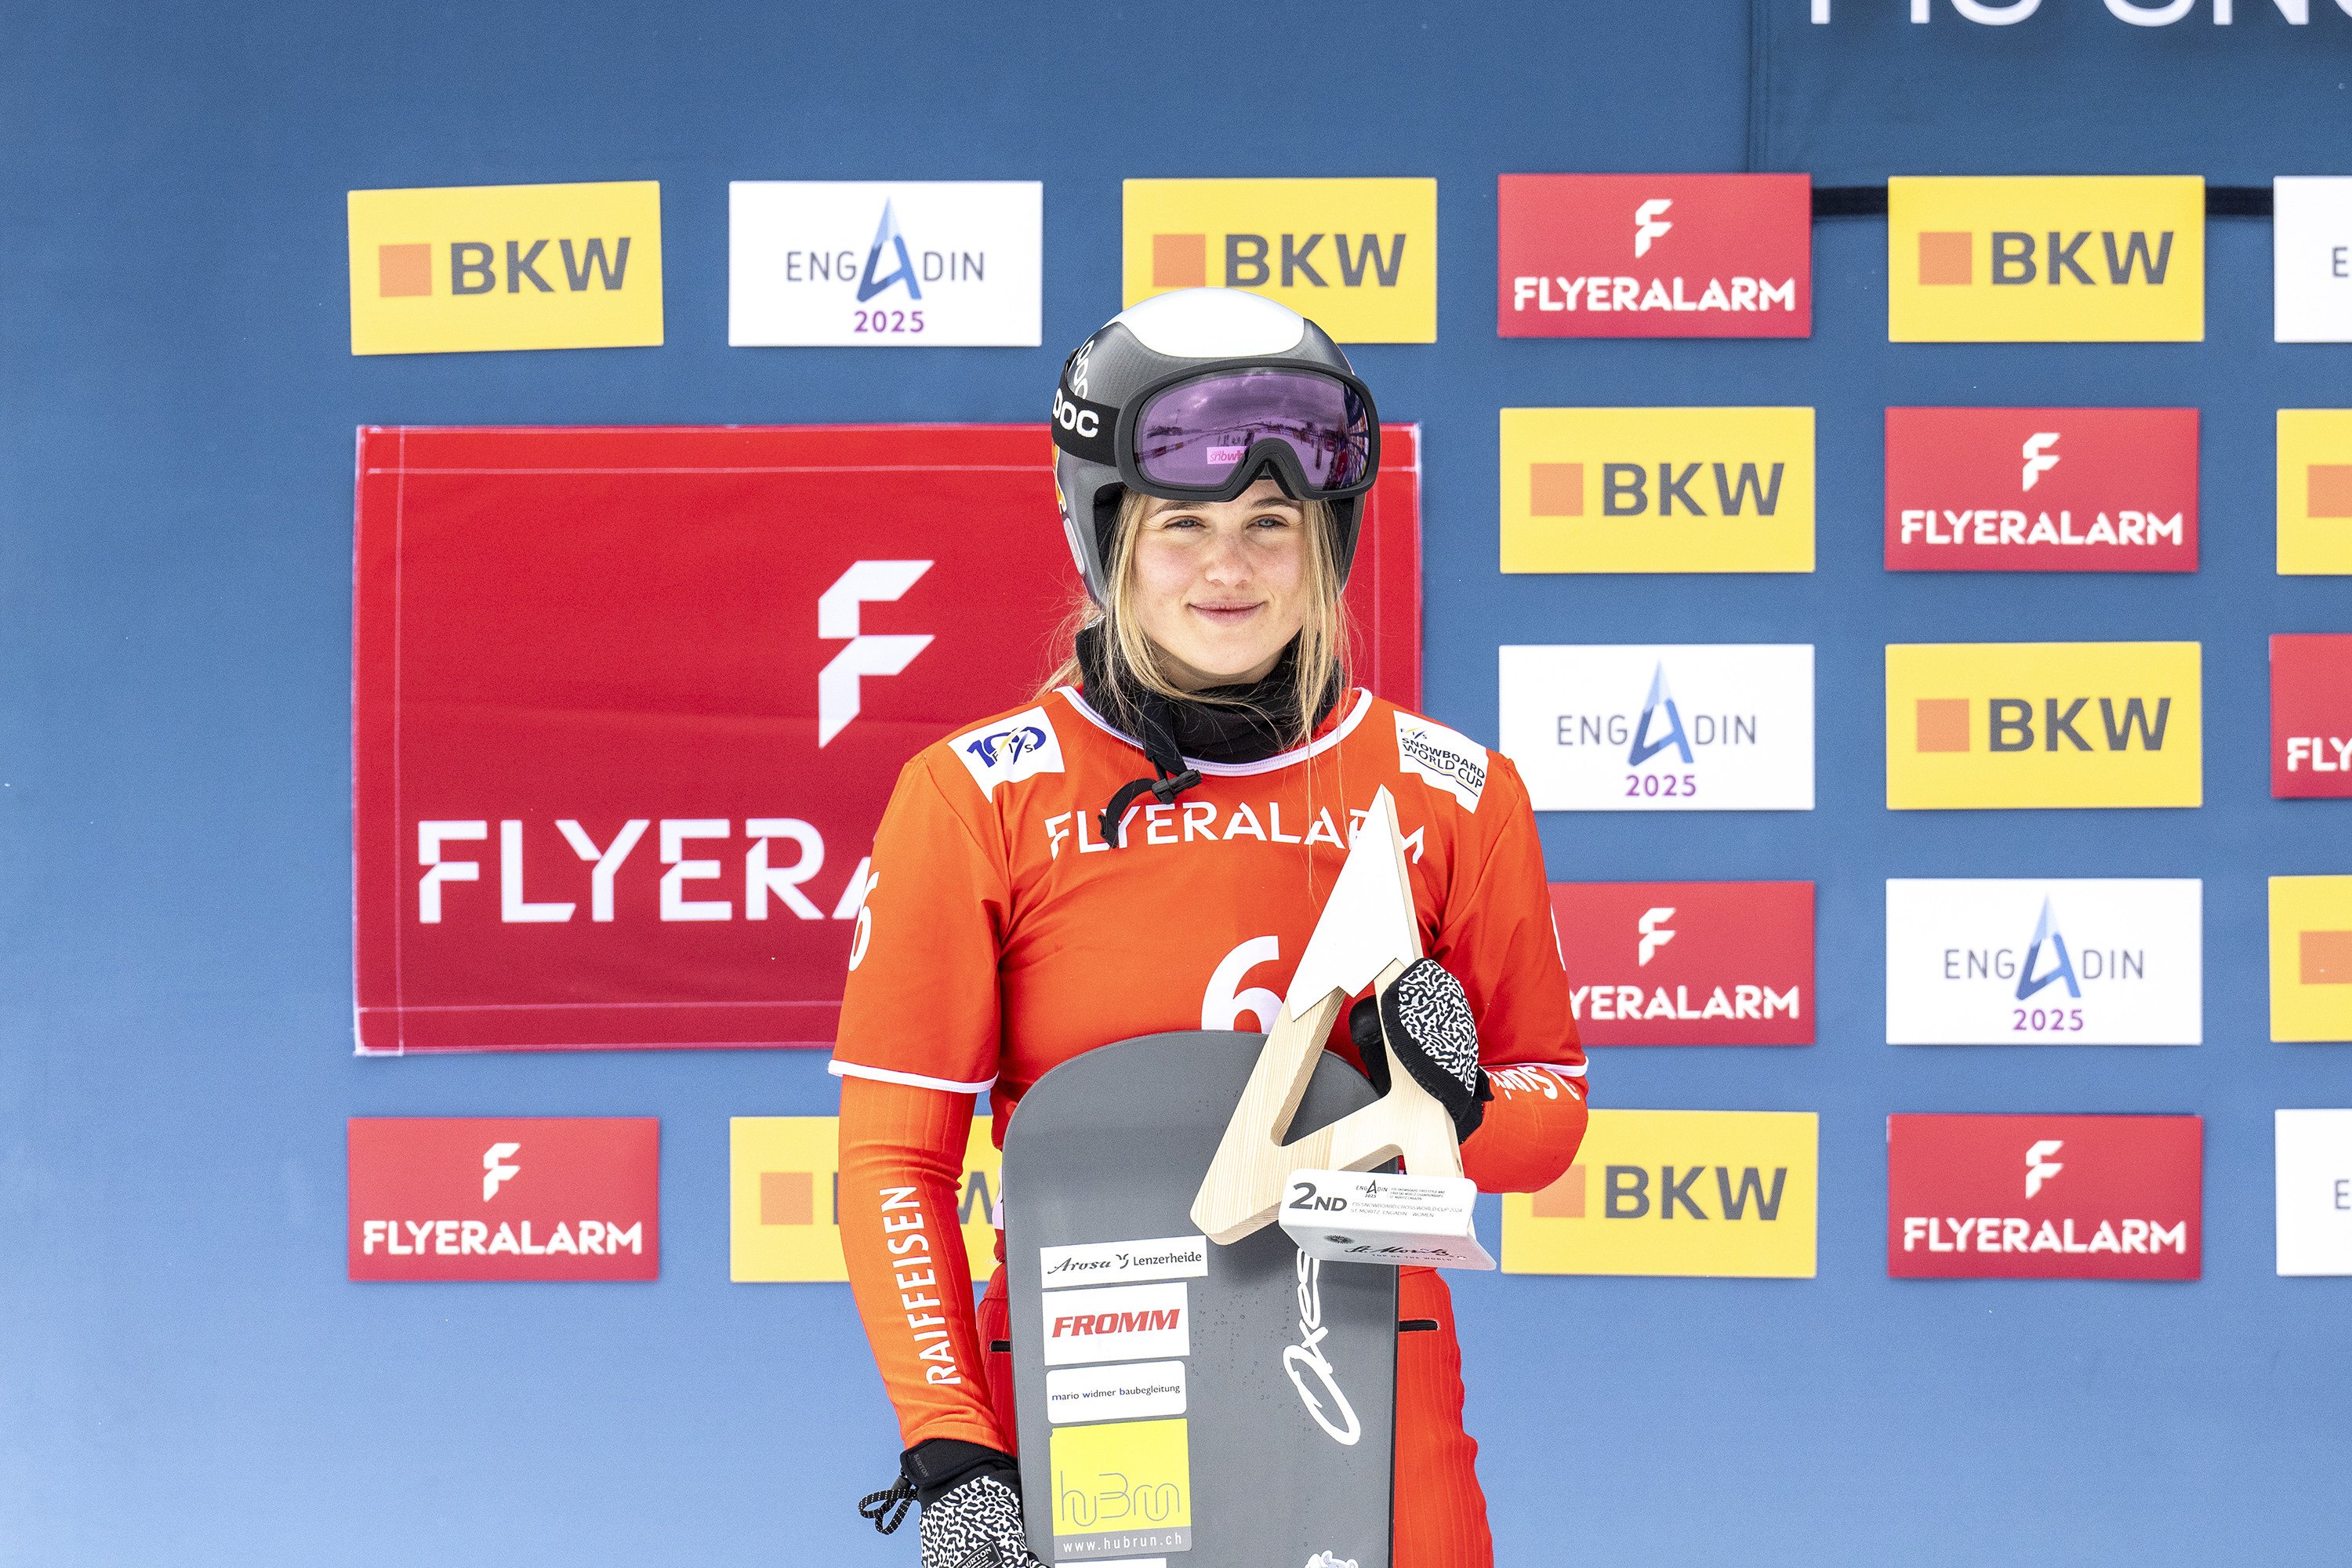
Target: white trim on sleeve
x,y
912,1080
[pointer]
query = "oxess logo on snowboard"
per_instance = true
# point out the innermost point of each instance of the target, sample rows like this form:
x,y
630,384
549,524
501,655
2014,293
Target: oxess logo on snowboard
x,y
1305,1360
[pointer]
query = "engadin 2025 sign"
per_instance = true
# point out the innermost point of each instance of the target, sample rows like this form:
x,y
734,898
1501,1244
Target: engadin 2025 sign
x,y
1661,727
858,264
2058,960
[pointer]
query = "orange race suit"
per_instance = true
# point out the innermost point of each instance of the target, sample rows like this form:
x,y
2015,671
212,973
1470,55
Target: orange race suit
x,y
1001,935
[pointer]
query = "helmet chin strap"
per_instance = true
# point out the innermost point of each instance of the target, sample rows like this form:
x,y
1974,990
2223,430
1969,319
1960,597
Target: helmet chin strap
x,y
1252,724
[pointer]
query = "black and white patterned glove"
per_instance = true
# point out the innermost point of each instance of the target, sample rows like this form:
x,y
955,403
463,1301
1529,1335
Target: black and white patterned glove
x,y
971,1505
1424,1020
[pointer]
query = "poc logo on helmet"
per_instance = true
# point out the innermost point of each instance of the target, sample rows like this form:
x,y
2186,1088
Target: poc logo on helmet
x,y
1071,417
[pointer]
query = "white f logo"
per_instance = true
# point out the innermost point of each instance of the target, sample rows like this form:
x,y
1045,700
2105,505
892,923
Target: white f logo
x,y
1648,225
2039,1166
2039,460
1654,932
495,1169
836,616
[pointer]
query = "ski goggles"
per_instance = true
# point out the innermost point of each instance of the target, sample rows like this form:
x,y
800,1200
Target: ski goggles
x,y
1209,434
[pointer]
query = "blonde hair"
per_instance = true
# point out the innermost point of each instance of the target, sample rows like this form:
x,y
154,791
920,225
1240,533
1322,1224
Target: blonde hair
x,y
1322,642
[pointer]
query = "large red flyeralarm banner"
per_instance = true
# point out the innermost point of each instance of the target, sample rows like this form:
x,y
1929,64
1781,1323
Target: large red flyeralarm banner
x,y
627,704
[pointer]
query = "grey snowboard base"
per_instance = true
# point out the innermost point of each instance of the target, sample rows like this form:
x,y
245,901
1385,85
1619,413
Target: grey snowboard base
x,y
1219,1406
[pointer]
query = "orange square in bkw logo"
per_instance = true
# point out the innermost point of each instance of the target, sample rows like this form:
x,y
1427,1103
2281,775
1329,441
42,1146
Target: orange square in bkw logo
x,y
787,1198
1943,259
1179,260
1943,724
1564,1199
1555,490
403,272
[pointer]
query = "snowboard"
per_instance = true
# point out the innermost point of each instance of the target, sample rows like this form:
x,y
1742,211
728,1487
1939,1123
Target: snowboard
x,y
1216,1407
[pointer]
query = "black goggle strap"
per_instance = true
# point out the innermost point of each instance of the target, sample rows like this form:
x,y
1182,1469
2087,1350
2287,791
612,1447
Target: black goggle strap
x,y
1087,430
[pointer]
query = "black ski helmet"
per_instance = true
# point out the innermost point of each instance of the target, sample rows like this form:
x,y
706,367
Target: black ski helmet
x,y
1198,341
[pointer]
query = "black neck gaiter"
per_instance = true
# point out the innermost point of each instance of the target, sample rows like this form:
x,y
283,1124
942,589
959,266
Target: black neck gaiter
x,y
1222,724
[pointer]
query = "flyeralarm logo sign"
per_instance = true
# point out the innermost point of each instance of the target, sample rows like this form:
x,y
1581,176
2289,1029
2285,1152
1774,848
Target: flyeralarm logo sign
x,y
2311,715
1994,725
1654,256
2056,961
2045,1197
2039,259
1661,727
466,1198
1689,964
2041,489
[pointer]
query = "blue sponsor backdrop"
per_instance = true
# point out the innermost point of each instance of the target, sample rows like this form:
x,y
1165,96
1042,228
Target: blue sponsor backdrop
x,y
185,1375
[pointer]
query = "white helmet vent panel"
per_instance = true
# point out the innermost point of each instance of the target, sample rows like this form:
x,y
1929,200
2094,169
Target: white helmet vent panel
x,y
1214,323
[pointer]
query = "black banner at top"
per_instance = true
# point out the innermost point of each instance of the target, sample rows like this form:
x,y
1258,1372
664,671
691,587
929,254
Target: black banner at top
x,y
1852,92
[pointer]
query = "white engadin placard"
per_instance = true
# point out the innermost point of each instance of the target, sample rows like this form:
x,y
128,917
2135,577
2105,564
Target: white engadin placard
x,y
2044,961
2315,1191
1132,1391
2311,258
1123,1262
1661,727
871,264
1123,1322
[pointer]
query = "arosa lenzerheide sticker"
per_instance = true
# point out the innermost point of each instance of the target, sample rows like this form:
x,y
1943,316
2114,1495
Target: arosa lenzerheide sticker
x,y
1654,256
1689,964
2045,1197
511,1197
2041,489
2311,715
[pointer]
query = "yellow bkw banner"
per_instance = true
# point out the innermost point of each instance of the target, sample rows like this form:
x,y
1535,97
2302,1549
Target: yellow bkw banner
x,y
2311,958
2045,259
458,269
1692,1192
1657,489
1992,725
785,1195
2314,491
1357,257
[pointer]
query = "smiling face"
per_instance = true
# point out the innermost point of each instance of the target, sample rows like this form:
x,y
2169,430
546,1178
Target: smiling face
x,y
1221,587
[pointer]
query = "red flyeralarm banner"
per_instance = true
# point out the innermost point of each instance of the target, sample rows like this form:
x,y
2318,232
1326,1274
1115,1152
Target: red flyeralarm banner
x,y
2041,489
1689,964
627,704
2045,1197
2311,715
1654,256
514,1198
